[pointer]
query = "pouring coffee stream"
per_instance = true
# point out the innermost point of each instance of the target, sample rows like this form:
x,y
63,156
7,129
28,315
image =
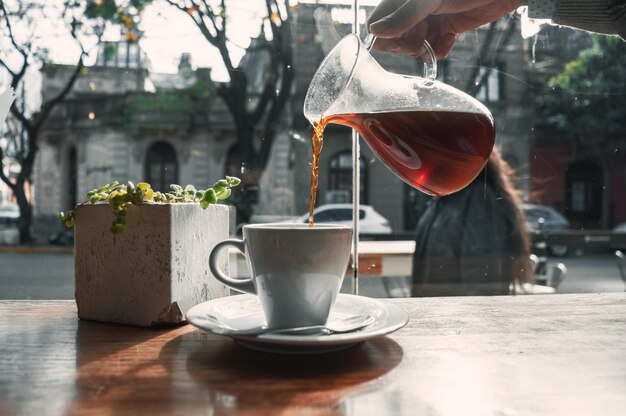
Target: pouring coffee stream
x,y
432,136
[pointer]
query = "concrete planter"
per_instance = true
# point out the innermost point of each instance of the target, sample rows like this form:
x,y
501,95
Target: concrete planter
x,y
154,271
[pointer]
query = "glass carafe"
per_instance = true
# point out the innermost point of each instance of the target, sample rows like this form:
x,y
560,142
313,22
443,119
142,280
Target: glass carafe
x,y
432,136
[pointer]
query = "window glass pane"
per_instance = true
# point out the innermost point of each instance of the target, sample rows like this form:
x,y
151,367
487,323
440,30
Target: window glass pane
x,y
162,105
327,215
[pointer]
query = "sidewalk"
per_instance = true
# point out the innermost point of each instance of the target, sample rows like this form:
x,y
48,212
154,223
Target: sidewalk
x,y
36,249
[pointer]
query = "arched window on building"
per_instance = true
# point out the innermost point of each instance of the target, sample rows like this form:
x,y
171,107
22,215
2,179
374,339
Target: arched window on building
x,y
161,166
340,179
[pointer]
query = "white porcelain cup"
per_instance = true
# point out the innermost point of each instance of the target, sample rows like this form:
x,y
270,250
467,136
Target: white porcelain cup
x,y
296,271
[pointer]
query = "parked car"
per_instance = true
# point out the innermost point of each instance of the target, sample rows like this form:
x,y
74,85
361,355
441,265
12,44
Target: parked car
x,y
545,218
9,214
370,221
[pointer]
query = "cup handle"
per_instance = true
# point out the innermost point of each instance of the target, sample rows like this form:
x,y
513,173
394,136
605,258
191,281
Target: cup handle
x,y
242,285
429,58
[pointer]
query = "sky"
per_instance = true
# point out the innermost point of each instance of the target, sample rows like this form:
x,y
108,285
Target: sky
x,y
167,33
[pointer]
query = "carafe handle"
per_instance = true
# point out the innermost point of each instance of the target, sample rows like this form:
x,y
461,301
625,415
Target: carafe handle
x,y
429,58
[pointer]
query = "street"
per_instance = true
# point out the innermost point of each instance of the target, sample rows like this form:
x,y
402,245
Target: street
x,y
45,275
36,275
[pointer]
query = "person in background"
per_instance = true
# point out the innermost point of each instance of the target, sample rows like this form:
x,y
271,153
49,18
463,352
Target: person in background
x,y
401,26
473,242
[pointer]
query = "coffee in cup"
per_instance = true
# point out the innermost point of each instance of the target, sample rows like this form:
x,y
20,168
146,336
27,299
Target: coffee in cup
x,y
296,270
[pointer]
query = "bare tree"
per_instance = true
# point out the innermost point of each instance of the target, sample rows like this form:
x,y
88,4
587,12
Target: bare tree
x,y
257,124
489,53
22,48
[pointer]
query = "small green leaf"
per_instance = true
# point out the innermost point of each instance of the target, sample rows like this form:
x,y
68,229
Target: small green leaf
x,y
209,196
221,183
144,186
233,180
107,187
120,196
117,200
225,194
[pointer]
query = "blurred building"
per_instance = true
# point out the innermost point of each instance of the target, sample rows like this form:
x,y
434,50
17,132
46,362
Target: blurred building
x,y
122,121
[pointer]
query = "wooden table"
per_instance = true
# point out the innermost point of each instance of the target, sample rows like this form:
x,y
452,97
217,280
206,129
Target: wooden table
x,y
540,355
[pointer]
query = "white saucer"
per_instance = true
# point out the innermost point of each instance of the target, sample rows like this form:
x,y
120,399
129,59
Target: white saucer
x,y
230,316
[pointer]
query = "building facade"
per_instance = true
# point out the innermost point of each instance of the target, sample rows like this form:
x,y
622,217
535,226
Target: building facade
x,y
123,122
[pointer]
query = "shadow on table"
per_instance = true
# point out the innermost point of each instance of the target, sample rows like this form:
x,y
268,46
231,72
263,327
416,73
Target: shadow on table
x,y
237,378
129,370
119,371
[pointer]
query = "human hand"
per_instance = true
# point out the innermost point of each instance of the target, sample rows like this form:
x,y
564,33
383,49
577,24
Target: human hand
x,y
401,26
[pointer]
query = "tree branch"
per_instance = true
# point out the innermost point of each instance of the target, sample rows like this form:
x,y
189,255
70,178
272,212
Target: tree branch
x,y
470,87
4,177
16,77
485,76
269,89
9,70
223,15
284,55
48,106
10,29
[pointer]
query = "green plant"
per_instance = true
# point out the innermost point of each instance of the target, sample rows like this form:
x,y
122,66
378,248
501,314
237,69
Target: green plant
x,y
120,196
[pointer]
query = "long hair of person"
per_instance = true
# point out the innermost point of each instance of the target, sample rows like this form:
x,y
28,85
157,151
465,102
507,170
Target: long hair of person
x,y
502,178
